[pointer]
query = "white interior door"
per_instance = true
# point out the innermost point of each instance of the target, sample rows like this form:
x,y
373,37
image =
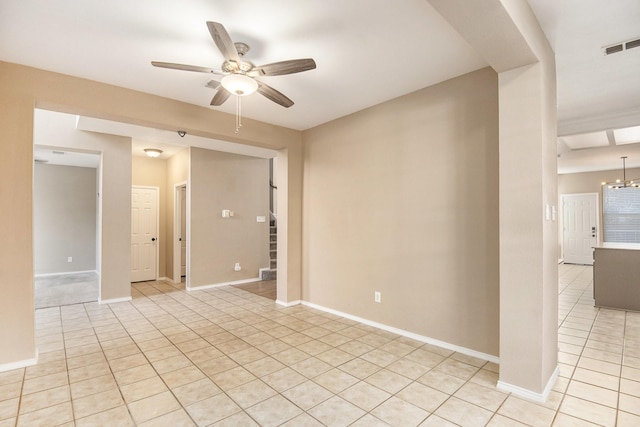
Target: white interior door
x,y
580,222
144,233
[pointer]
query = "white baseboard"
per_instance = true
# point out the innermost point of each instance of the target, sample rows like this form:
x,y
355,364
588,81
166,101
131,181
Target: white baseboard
x,y
528,394
219,285
166,279
65,273
113,300
288,304
404,333
19,364
560,260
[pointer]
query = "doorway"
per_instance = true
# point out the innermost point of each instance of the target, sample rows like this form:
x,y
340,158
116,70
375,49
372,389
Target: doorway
x,y
580,227
180,234
66,226
144,233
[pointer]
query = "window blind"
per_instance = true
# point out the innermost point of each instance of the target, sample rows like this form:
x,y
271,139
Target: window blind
x,y
621,214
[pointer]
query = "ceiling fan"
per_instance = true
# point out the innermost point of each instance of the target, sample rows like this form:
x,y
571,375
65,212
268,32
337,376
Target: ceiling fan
x,y
239,74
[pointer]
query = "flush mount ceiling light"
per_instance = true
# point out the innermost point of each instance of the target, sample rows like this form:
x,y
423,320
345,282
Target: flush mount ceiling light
x,y
152,152
624,183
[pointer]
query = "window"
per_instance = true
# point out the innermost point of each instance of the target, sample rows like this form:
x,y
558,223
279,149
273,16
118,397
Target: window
x,y
621,214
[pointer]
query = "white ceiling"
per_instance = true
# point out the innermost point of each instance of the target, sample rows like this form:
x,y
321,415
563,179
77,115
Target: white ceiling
x,y
367,51
597,94
65,157
591,84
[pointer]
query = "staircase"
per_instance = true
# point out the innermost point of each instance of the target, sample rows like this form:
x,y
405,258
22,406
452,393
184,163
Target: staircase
x,y
271,272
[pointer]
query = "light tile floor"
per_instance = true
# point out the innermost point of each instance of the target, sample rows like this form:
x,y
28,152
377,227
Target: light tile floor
x,y
226,357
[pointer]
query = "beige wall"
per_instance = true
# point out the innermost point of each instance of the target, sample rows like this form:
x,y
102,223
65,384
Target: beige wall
x,y
402,198
146,171
177,173
23,88
241,184
58,130
590,182
508,36
528,239
64,218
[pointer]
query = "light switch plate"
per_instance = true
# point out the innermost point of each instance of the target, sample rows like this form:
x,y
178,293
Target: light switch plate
x,y
261,219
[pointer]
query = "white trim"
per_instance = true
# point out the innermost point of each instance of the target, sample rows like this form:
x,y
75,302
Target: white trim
x,y
166,279
528,394
65,273
19,364
560,260
289,304
113,300
219,285
448,346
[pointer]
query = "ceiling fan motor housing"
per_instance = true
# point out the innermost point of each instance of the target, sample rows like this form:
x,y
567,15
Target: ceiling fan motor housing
x,y
242,67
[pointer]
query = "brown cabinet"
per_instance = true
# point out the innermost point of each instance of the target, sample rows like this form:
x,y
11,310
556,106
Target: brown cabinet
x,y
616,276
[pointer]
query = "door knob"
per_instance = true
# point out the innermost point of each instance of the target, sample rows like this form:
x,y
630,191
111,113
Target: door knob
x,y
153,239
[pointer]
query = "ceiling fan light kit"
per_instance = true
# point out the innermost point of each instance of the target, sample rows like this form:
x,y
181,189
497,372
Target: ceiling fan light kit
x,y
239,84
240,75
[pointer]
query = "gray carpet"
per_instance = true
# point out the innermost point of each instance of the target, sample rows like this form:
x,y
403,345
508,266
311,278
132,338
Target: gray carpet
x,y
65,289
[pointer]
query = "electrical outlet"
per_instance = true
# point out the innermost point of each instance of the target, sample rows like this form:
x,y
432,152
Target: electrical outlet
x,y
69,259
377,297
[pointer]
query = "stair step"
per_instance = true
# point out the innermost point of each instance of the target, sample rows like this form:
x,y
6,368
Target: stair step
x,y
269,274
273,264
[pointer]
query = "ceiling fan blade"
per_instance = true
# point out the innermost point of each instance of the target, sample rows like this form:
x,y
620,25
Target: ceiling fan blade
x,y
220,96
213,84
222,39
285,67
183,67
275,96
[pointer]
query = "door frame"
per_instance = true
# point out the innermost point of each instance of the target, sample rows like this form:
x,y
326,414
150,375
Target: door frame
x,y
561,217
157,251
177,225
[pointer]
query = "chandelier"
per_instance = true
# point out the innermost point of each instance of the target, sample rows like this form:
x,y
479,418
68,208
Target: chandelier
x,y
624,182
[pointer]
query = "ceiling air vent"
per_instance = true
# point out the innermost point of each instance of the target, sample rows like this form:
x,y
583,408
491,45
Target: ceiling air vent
x,y
619,47
631,44
613,49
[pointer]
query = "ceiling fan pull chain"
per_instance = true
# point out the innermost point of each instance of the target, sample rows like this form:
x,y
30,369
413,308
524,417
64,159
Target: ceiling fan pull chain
x,y
238,114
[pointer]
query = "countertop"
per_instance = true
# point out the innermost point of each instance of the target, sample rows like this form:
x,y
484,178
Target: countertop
x,y
612,245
